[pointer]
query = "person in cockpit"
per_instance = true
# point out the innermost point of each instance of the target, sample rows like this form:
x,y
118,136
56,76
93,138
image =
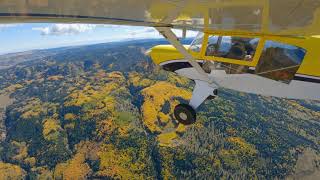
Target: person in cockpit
x,y
241,49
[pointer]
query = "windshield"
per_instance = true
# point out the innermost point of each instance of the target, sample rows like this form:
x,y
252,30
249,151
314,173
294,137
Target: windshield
x,y
197,42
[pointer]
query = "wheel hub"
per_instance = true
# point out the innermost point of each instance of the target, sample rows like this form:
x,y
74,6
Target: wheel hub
x,y
183,116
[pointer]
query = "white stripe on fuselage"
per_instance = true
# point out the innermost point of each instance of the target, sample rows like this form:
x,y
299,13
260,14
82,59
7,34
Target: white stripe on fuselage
x,y
306,76
251,83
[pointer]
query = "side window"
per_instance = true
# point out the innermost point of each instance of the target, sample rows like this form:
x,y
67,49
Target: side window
x,y
280,61
197,43
231,47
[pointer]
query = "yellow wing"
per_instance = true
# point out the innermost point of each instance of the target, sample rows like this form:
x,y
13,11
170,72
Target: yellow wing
x,y
276,17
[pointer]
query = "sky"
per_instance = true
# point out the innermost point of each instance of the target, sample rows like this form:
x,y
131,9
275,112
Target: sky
x,y
23,37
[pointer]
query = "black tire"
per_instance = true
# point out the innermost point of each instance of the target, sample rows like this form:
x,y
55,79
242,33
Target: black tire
x,y
185,114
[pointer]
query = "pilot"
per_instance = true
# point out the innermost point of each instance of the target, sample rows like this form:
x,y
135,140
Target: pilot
x,y
241,49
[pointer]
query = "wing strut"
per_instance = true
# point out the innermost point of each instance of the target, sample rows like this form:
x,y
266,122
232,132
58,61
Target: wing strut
x,y
173,39
205,87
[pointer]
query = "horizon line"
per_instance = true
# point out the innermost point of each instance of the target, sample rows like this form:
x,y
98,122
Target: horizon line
x,y
78,44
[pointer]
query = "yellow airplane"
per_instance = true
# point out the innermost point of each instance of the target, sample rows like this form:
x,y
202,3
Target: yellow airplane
x,y
267,47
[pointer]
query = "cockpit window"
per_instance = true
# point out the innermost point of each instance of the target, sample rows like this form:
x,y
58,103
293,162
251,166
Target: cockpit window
x,y
280,61
231,47
197,43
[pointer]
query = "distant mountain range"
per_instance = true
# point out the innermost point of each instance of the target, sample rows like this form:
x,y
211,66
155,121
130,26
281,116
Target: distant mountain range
x,y
12,59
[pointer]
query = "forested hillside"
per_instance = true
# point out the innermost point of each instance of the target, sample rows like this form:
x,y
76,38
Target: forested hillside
x,y
105,111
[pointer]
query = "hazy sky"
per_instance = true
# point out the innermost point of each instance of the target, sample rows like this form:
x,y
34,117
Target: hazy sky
x,y
21,37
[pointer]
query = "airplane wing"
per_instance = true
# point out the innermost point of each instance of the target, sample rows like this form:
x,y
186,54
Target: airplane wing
x,y
276,17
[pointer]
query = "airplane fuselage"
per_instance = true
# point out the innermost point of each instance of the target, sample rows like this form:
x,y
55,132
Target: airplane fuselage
x,y
286,67
301,87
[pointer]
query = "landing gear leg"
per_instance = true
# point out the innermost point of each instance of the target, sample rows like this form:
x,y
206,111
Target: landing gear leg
x,y
186,113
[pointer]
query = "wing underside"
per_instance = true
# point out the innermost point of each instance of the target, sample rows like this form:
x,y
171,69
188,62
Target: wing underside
x,y
285,17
